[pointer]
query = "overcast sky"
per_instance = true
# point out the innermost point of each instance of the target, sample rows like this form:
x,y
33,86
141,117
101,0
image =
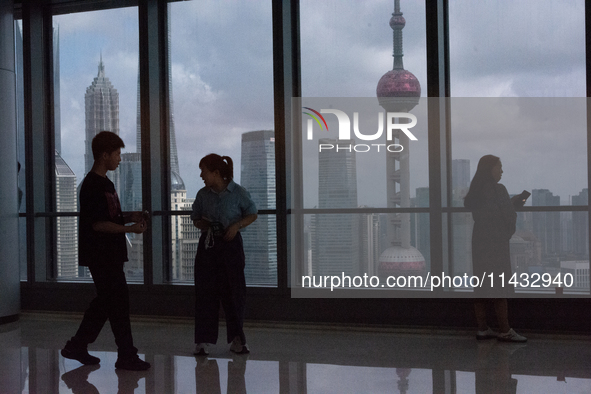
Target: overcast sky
x,y
222,80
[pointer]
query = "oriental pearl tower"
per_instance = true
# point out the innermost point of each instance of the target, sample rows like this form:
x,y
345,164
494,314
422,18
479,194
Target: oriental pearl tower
x,y
399,91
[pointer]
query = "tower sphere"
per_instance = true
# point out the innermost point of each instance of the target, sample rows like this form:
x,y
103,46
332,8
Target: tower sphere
x,y
397,21
398,91
397,260
398,83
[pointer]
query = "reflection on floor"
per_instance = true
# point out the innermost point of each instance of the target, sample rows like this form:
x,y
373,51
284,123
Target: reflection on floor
x,y
292,359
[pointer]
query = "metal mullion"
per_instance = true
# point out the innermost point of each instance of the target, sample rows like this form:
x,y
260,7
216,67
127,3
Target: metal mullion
x,y
286,84
436,87
588,92
50,179
165,165
37,138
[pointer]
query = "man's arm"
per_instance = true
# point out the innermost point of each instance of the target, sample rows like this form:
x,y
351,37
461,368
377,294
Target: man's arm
x,y
135,216
114,228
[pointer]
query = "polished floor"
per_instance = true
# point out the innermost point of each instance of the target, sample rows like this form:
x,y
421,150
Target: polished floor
x,y
292,359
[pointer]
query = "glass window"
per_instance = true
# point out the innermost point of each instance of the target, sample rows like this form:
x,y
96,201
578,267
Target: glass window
x,y
514,49
346,46
368,63
221,73
95,64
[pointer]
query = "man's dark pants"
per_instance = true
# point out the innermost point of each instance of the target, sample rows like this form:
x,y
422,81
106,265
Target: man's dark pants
x,y
111,303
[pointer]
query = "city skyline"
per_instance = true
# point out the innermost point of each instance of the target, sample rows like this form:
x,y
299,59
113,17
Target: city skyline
x,y
198,87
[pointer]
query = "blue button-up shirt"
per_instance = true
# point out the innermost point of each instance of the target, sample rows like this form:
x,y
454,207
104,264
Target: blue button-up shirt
x,y
226,207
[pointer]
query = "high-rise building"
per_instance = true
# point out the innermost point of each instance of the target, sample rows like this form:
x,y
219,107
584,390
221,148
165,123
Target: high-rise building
x,y
462,222
67,226
460,170
335,245
369,242
179,230
56,90
189,241
101,103
174,159
580,226
130,196
102,114
399,90
422,230
130,182
546,225
177,185
460,180
257,175
66,197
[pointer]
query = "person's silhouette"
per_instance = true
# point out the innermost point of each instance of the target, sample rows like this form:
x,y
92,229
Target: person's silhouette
x,y
494,217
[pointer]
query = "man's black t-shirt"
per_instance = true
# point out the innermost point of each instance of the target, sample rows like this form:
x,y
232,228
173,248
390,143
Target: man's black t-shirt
x,y
99,203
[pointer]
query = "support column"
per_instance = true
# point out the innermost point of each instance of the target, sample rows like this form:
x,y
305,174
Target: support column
x,y
9,257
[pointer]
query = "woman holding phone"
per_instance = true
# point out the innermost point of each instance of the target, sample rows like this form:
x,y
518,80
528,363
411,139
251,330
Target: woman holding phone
x,y
494,217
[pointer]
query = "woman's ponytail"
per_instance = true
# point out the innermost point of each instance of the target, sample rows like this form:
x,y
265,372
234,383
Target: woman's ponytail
x,y
229,168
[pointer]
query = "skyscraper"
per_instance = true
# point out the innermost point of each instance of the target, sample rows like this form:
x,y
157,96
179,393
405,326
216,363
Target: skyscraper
x,y
101,103
580,226
369,242
189,242
399,90
462,222
130,196
257,175
56,90
422,227
67,226
176,179
546,225
460,177
179,228
460,170
335,244
66,197
102,114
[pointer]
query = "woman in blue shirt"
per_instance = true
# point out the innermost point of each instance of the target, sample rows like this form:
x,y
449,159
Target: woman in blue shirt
x,y
221,209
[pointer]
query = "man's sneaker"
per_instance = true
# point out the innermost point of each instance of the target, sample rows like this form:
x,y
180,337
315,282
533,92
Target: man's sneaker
x,y
200,349
238,348
511,336
487,334
132,364
79,354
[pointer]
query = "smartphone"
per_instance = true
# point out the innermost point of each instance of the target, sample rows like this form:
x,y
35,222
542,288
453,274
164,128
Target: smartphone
x,y
524,196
